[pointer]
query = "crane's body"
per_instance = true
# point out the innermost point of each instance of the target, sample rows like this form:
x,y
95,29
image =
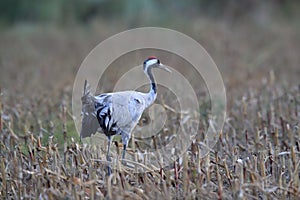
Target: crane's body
x,y
118,112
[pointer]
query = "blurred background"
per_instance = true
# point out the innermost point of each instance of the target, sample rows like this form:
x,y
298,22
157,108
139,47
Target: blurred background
x,y
42,43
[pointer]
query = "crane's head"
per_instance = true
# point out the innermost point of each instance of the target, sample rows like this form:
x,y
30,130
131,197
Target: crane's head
x,y
153,62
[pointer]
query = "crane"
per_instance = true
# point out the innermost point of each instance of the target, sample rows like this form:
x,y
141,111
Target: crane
x,y
118,113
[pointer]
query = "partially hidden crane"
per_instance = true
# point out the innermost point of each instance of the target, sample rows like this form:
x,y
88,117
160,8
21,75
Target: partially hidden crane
x,y
118,113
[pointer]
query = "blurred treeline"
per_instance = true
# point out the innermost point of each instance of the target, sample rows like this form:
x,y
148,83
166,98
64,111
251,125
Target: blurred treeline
x,y
135,12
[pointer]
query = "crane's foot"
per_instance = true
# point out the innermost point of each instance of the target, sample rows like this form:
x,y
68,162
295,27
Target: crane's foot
x,y
108,158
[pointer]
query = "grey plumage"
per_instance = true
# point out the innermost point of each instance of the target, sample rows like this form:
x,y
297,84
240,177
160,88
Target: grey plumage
x,y
118,112
114,113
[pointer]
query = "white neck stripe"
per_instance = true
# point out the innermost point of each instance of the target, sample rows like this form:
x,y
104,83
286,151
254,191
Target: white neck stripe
x,y
150,62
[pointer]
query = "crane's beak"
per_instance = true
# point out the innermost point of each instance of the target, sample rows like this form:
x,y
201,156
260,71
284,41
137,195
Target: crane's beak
x,y
164,67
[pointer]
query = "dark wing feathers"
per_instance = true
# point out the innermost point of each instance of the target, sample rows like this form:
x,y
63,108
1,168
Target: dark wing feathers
x,y
111,113
103,107
90,123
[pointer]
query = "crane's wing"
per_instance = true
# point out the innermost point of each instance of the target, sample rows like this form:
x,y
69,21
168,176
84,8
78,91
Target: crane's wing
x,y
115,113
90,123
110,113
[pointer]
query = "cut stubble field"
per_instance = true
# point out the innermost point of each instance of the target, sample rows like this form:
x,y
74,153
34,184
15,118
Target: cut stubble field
x,y
256,157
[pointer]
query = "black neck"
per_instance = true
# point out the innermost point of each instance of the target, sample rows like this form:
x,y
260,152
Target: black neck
x,y
153,87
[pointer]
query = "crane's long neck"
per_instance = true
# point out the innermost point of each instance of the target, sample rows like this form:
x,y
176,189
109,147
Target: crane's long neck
x,y
151,95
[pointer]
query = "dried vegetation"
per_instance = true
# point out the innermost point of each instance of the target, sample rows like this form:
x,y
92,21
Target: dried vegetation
x,y
256,157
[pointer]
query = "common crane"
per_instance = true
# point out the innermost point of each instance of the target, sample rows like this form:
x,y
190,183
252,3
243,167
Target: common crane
x,y
118,112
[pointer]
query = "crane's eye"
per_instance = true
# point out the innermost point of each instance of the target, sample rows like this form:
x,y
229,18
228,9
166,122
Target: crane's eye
x,y
137,100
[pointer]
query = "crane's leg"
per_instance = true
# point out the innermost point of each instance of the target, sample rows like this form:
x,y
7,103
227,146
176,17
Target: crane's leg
x,y
107,156
108,149
123,153
125,139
